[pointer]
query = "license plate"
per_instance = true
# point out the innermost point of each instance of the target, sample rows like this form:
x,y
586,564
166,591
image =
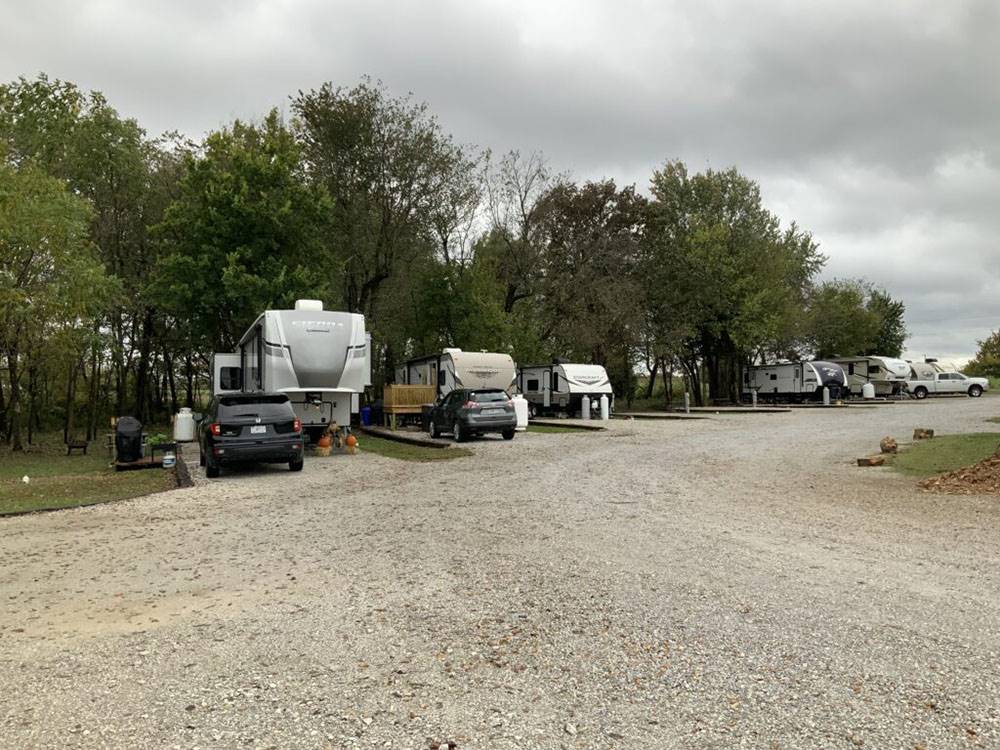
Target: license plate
x,y
492,412
258,429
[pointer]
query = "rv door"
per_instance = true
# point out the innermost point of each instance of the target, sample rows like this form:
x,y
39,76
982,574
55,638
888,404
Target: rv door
x,y
546,388
226,373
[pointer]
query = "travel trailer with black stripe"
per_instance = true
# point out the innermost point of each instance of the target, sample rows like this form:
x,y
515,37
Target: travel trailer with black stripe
x,y
888,375
454,368
795,382
561,386
319,358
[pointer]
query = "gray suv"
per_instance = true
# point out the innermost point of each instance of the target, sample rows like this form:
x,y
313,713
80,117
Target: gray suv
x,y
466,412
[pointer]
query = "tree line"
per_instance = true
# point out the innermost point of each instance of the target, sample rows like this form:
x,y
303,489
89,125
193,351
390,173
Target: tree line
x,y
126,259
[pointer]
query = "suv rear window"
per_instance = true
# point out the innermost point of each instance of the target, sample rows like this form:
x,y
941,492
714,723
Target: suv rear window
x,y
487,397
265,407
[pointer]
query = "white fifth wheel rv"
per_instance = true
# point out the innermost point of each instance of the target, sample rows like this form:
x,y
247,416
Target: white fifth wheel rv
x,y
561,386
454,368
320,359
887,374
795,381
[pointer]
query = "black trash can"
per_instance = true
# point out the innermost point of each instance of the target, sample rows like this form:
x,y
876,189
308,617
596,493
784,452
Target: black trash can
x,y
128,439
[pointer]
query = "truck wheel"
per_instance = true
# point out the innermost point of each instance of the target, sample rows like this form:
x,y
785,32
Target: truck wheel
x,y
975,391
508,434
459,432
433,429
201,457
295,465
211,470
920,392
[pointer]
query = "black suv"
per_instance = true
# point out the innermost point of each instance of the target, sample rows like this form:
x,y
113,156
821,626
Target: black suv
x,y
465,413
249,427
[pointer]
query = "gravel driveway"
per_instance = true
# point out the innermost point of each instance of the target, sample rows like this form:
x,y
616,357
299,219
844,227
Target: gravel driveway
x,y
732,582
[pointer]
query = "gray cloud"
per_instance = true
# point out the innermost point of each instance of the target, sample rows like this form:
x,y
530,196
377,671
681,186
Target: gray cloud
x,y
871,124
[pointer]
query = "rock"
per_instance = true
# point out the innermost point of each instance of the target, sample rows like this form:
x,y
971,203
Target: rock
x,y
871,461
922,433
570,729
889,445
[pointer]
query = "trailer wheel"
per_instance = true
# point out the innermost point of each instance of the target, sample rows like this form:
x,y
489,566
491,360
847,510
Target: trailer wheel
x,y
975,391
531,411
920,392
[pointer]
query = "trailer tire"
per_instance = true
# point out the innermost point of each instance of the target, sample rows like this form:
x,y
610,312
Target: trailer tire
x,y
920,392
975,391
532,413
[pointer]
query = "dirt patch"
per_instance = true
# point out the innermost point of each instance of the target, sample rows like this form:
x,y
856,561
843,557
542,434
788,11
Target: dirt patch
x,y
980,478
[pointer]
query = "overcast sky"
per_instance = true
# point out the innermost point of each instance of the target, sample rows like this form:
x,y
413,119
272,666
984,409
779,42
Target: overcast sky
x,y
875,125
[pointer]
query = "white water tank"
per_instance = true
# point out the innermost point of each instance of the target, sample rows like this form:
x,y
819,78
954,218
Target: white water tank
x,y
868,391
605,407
521,410
184,426
585,407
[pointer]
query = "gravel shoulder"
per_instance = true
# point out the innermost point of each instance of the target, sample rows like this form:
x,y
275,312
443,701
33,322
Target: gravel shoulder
x,y
730,582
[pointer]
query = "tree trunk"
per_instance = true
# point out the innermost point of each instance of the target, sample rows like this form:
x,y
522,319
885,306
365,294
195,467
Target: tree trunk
x,y
168,364
32,402
143,367
651,383
93,392
14,404
70,402
3,411
189,381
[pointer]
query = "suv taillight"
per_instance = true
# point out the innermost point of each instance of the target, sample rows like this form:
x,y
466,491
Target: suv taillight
x,y
297,425
216,428
470,405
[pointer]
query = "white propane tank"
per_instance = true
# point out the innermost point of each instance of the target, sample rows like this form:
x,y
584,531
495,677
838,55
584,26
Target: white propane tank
x,y
521,410
868,391
184,426
605,407
585,407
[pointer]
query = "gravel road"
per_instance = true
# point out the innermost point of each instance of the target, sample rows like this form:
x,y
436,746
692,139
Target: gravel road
x,y
733,582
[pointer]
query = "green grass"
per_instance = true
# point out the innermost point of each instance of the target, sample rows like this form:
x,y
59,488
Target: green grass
x,y
558,430
61,481
926,458
408,451
994,420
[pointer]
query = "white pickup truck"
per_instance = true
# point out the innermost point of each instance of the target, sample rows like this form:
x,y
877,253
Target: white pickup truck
x,y
927,381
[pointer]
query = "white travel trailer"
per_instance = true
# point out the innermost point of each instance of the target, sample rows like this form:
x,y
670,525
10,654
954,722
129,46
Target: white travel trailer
x,y
321,359
561,386
888,375
454,368
795,381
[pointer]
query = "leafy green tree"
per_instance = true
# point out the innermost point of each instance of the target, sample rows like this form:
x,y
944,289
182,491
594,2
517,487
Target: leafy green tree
x,y
723,281
986,363
245,233
50,277
890,313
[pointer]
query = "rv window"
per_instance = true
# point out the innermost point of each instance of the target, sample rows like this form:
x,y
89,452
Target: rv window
x,y
873,369
229,378
850,368
774,376
533,386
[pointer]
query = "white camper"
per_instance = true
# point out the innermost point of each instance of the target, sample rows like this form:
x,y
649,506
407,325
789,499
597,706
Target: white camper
x,y
794,381
320,359
887,374
561,386
454,368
